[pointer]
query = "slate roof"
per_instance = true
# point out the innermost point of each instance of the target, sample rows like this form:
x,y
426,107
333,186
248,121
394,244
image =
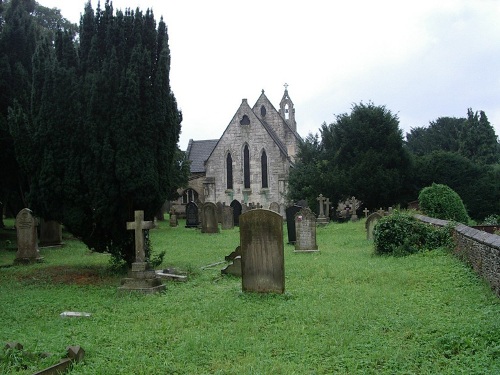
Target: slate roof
x,y
198,152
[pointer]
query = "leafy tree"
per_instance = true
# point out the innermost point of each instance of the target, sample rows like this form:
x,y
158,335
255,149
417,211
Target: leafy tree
x,y
443,134
104,127
479,142
477,185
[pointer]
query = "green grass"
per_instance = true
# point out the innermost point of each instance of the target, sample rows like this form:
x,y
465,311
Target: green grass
x,y
345,311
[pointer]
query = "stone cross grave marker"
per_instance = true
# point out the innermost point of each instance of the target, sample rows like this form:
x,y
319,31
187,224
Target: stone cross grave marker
x,y
138,225
366,210
262,252
305,226
355,205
27,238
321,201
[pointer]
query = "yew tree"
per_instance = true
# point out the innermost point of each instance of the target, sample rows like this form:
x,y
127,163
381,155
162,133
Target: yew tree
x,y
103,127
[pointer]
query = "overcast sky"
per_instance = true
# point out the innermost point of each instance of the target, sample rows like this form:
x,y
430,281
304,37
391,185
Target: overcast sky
x,y
421,59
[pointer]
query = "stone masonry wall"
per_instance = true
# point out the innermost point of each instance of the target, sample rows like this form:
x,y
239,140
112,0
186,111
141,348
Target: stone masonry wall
x,y
479,249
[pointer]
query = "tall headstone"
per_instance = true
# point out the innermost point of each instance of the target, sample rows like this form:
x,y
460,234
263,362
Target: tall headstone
x,y
290,222
192,218
141,278
262,252
227,217
50,233
370,223
209,222
305,227
27,238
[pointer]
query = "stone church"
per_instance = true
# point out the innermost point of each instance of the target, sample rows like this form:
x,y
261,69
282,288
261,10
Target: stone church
x,y
250,163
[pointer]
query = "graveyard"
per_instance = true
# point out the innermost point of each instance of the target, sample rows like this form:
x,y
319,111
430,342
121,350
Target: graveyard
x,y
343,310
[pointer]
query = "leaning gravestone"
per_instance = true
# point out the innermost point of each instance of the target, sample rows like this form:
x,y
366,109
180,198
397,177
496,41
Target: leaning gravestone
x,y
192,220
290,222
27,238
227,217
305,227
141,277
50,233
370,223
262,252
209,222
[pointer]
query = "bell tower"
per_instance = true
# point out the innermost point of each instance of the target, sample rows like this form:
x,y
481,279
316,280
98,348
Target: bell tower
x,y
286,109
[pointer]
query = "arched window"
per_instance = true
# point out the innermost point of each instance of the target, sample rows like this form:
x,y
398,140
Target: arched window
x,y
263,111
287,112
229,171
189,195
246,168
263,168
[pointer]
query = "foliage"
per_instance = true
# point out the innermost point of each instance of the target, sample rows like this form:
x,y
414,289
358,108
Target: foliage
x,y
102,127
443,134
477,185
492,220
479,142
360,154
345,311
401,234
442,202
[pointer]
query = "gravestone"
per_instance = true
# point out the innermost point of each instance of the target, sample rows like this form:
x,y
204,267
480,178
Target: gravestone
x,y
322,219
236,211
290,222
173,221
262,252
366,211
274,206
209,222
234,268
27,238
50,233
370,223
192,219
220,208
141,277
227,217
305,227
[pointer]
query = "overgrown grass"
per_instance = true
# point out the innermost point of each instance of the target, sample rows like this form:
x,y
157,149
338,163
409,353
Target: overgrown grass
x,y
345,311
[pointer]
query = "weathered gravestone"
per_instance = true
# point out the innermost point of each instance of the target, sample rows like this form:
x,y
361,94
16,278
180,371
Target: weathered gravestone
x,y
220,208
27,238
227,217
233,268
305,227
141,277
290,222
262,252
192,219
209,222
173,221
236,211
50,233
370,223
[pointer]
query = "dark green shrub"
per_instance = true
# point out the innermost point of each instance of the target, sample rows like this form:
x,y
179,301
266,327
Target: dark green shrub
x,y
401,234
442,202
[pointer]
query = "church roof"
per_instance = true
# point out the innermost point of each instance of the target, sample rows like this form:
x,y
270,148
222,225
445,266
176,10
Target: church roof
x,y
198,152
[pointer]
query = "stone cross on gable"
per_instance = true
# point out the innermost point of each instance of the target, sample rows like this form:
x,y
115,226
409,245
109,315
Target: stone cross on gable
x,y
138,225
321,200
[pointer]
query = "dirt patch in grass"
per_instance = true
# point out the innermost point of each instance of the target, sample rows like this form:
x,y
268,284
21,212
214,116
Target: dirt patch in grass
x,y
70,275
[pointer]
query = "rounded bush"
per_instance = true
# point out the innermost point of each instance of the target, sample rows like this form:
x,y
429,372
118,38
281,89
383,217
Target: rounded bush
x,y
401,234
442,202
